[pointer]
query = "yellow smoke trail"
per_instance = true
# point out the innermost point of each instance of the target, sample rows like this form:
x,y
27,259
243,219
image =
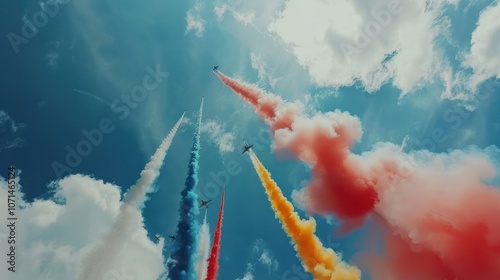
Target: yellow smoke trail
x,y
321,262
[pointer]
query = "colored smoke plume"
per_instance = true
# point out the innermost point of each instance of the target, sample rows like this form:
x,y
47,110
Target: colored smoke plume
x,y
183,258
213,261
321,262
437,211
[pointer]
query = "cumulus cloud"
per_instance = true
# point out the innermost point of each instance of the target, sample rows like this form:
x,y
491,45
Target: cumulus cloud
x,y
194,21
217,135
373,42
54,234
484,56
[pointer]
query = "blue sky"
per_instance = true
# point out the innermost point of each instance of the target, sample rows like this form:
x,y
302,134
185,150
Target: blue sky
x,y
442,76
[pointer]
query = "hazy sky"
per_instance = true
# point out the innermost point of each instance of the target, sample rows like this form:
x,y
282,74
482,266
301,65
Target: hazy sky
x,y
90,89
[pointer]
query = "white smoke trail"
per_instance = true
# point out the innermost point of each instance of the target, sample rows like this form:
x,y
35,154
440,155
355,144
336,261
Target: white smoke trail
x,y
203,250
137,194
100,258
92,96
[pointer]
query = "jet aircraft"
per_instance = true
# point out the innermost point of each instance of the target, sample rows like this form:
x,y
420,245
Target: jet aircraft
x,y
247,147
216,67
204,203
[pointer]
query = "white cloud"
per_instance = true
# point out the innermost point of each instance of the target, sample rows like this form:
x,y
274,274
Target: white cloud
x,y
217,135
244,17
265,257
9,144
260,254
186,121
261,67
4,118
220,10
7,121
248,273
52,238
484,56
374,42
194,21
8,128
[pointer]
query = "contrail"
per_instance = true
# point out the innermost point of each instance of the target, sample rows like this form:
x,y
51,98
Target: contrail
x,y
203,249
93,96
100,258
404,190
321,262
213,261
182,266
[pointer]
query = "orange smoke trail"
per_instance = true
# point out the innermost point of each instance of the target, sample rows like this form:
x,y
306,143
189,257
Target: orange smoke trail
x,y
213,261
321,262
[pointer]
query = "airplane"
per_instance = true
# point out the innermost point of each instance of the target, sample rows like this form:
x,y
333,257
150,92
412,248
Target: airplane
x,y
172,237
247,147
157,236
216,67
205,203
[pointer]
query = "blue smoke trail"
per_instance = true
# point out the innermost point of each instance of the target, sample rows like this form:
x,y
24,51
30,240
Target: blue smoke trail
x,y
183,258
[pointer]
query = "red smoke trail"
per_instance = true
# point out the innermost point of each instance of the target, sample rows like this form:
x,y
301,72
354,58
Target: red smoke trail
x,y
213,261
322,141
439,215
266,105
